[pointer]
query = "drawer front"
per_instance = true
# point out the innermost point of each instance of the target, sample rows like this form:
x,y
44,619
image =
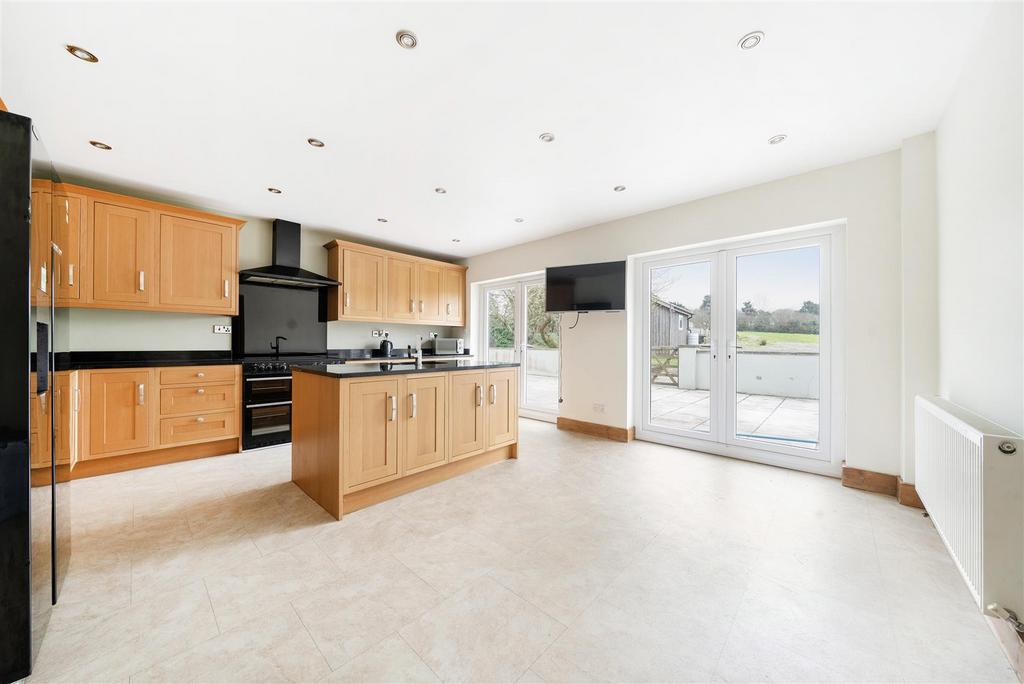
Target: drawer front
x,y
196,398
206,427
197,374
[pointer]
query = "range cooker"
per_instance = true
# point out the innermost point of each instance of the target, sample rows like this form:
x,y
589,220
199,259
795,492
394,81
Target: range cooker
x,y
267,398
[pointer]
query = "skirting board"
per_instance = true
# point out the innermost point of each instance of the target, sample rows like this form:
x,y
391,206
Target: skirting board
x,y
617,434
881,483
1010,641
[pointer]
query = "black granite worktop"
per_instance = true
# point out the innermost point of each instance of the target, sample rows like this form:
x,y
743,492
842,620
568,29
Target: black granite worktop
x,y
343,371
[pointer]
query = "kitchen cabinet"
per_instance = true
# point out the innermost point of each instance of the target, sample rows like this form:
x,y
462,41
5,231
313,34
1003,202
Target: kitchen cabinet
x,y
362,285
198,398
198,265
66,408
502,407
206,427
39,427
39,242
401,291
120,411
122,255
69,230
426,414
371,434
455,296
382,285
467,412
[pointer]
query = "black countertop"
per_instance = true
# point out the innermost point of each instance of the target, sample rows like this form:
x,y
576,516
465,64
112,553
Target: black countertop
x,y
343,371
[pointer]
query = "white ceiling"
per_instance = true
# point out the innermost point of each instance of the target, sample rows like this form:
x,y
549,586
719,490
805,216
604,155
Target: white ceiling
x,y
211,103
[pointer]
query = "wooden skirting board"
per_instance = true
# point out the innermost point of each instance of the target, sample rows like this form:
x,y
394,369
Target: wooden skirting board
x,y
1010,641
617,434
881,483
3,107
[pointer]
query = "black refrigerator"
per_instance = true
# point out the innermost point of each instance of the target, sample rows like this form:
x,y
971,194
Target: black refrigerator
x,y
34,492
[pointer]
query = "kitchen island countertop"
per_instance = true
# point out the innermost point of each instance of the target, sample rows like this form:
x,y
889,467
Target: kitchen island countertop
x,y
343,371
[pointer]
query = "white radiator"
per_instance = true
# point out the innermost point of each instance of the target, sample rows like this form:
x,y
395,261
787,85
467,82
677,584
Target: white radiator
x,y
969,474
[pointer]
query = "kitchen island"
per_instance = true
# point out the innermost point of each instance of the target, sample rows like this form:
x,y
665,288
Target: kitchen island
x,y
362,434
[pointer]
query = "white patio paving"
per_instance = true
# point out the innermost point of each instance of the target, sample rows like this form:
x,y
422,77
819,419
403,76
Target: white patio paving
x,y
783,420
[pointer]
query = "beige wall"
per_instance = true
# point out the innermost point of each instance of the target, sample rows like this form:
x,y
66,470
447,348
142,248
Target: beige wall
x,y
866,193
981,228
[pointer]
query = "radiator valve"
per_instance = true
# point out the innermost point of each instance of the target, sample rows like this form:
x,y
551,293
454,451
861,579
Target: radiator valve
x,y
998,611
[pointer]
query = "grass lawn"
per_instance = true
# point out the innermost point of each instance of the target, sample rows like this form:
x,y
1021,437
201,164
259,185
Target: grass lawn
x,y
747,337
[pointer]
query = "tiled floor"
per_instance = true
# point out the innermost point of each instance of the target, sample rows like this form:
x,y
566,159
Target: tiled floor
x,y
584,560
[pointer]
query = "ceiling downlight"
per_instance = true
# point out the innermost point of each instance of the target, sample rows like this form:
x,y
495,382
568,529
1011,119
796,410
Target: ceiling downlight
x,y
619,188
776,139
315,142
547,137
751,40
518,219
100,145
274,191
382,220
407,39
81,53
440,191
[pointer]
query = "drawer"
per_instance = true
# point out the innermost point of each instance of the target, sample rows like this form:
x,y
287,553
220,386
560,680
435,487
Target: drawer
x,y
206,427
194,374
196,398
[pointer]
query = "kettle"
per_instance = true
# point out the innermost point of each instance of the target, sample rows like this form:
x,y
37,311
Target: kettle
x,y
386,346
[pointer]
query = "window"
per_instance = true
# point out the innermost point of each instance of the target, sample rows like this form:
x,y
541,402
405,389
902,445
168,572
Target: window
x,y
681,322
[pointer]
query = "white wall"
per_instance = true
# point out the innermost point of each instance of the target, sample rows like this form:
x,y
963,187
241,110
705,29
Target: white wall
x,y
866,193
981,228
919,301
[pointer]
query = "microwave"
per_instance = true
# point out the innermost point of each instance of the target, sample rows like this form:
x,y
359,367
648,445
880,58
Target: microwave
x,y
449,345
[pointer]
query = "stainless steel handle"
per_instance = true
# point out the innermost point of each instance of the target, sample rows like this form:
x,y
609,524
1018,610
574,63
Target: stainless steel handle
x,y
394,408
227,289
142,281
142,394
421,306
200,391
413,395
347,300
448,309
71,275
200,419
42,278
493,390
412,306
78,399
200,374
479,395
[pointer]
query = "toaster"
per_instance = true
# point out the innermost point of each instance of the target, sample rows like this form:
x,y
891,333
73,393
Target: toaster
x,y
449,345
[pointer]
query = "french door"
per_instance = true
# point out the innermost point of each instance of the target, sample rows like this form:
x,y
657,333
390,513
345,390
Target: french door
x,y
518,329
735,351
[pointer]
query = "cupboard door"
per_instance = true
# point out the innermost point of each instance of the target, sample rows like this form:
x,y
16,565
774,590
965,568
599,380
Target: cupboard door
x,y
39,244
430,280
454,294
426,414
371,452
197,265
502,407
122,256
39,428
69,234
65,423
466,407
401,290
363,285
120,418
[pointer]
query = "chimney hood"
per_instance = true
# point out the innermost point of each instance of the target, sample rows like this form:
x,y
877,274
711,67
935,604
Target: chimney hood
x,y
284,270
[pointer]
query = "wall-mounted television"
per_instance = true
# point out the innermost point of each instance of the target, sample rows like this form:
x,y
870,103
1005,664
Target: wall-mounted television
x,y
586,287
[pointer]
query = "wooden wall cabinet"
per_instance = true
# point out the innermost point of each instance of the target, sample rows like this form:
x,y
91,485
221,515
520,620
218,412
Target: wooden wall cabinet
x,y
69,230
123,251
198,264
39,242
381,285
426,409
371,434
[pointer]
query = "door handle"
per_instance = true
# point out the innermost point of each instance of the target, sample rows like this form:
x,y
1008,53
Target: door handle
x,y
479,395
413,397
348,302
200,419
227,289
71,275
200,374
200,391
394,408
421,306
448,309
142,281
412,306
142,394
78,403
493,390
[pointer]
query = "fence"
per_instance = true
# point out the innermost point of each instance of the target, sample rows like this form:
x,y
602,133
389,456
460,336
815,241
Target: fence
x,y
777,374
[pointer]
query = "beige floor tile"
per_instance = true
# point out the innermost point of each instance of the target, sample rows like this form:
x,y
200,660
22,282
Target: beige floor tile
x,y
451,560
392,660
273,647
483,633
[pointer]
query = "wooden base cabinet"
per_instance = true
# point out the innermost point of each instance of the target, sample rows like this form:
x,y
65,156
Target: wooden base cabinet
x,y
502,407
468,413
426,402
119,405
371,434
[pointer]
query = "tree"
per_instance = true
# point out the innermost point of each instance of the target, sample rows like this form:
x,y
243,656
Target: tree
x,y
748,308
810,307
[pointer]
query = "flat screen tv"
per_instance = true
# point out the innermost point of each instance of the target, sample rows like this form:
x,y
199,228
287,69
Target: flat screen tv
x,y
587,287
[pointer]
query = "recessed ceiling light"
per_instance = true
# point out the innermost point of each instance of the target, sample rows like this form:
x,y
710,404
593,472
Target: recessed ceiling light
x,y
82,53
776,139
751,40
274,191
619,188
314,142
518,220
382,220
456,240
547,137
407,39
100,145
440,191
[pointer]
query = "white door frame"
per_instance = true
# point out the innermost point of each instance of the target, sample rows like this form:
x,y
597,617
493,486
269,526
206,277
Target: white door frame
x,y
830,238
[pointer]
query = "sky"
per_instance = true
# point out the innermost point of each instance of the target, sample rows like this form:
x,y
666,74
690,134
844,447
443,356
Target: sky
x,y
770,280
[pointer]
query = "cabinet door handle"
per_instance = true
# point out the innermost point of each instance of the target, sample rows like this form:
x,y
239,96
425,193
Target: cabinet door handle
x,y
200,419
479,395
200,391
348,302
413,397
200,374
78,400
142,394
421,306
493,391
71,275
448,309
412,306
227,289
394,408
142,281
56,275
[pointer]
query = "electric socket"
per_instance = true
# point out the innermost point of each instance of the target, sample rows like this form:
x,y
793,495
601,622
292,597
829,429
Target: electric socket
x,y
598,408
375,333
222,329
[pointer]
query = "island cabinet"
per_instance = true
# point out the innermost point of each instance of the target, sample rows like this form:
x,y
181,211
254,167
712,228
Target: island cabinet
x,y
360,437
383,285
